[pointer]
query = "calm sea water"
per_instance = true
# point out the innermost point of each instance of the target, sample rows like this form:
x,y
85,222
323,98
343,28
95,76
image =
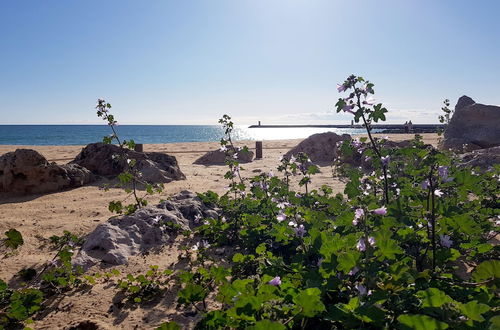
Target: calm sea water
x,y
85,134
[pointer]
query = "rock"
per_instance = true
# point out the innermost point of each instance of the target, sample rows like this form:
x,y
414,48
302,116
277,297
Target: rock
x,y
321,147
114,241
25,171
483,158
103,159
358,158
217,157
472,126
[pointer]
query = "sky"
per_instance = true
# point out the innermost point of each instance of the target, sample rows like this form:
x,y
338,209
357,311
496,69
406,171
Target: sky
x,y
277,61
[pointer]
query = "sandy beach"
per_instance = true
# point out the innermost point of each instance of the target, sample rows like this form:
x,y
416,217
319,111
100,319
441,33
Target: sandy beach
x,y
80,210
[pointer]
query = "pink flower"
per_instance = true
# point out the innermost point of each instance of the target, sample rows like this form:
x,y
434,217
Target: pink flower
x,y
445,241
300,231
357,215
341,88
275,281
348,108
281,217
369,101
385,160
443,172
361,246
361,289
356,143
380,211
353,271
371,240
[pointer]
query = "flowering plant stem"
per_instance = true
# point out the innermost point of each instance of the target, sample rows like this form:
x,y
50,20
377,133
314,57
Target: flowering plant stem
x,y
433,217
375,148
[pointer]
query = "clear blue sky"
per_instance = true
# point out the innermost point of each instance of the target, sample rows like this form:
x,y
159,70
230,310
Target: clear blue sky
x,y
189,62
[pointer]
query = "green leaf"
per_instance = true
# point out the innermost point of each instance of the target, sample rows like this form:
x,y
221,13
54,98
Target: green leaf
x,y
192,293
473,310
310,302
368,313
433,297
386,246
24,303
347,261
494,323
169,326
487,270
14,239
420,322
266,325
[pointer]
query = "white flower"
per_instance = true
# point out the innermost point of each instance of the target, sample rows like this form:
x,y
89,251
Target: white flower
x,y
281,217
371,240
223,148
282,205
438,193
156,219
445,241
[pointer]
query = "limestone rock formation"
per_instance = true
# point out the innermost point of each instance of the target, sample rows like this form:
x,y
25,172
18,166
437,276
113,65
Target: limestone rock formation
x,y
25,171
217,157
321,147
103,159
473,126
114,241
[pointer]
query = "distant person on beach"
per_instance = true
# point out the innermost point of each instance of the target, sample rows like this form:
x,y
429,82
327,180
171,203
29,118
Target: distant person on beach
x,y
406,127
410,126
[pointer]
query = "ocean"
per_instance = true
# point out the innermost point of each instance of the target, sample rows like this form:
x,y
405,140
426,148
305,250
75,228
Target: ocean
x,y
85,134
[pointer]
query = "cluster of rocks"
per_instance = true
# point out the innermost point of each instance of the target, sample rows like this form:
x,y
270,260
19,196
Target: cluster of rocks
x,y
116,240
482,158
102,159
26,171
321,147
218,157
